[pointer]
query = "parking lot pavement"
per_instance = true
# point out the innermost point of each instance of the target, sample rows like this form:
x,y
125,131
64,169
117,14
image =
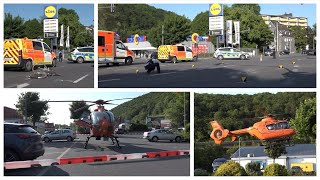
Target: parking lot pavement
x,y
296,71
68,75
130,144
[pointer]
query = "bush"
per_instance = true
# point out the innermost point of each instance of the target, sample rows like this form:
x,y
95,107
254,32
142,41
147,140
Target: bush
x,y
275,170
138,127
253,169
200,172
230,168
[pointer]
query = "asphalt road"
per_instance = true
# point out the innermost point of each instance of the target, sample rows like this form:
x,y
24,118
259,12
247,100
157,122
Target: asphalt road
x,y
212,73
166,166
70,75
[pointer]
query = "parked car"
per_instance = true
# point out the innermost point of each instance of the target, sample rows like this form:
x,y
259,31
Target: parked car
x,y
296,169
285,52
230,53
312,52
21,142
81,54
59,134
268,52
162,134
119,131
217,162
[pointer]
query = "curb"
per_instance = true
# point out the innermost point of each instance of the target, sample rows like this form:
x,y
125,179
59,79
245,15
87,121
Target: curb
x,y
89,159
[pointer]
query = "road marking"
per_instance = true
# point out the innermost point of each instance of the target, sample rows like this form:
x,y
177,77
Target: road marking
x,y
78,80
109,80
45,170
23,85
163,73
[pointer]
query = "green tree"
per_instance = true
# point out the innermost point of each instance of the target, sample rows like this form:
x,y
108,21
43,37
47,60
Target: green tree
x,y
275,170
230,168
175,110
30,106
13,26
78,33
254,32
275,150
299,34
76,106
200,24
204,155
33,29
253,169
305,121
176,29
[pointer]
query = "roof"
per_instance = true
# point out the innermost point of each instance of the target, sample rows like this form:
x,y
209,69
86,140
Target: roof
x,y
146,45
258,151
10,113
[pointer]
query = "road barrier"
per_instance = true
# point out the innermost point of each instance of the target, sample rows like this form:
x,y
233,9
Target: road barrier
x,y
90,159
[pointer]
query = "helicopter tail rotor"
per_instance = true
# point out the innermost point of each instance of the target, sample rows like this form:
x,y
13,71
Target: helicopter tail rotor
x,y
218,133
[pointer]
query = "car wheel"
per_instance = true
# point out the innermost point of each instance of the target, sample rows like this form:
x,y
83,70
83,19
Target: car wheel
x,y
155,139
10,156
220,57
242,57
28,65
162,61
178,139
46,139
171,140
69,139
195,58
80,60
174,60
128,61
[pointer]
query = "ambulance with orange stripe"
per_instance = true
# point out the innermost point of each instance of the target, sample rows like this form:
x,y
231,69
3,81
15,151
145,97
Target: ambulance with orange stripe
x,y
175,53
25,53
112,50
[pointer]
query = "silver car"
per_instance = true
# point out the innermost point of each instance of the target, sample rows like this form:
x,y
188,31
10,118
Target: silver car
x,y
162,134
59,134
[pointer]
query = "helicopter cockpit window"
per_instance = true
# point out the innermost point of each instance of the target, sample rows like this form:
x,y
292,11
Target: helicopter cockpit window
x,y
271,127
97,116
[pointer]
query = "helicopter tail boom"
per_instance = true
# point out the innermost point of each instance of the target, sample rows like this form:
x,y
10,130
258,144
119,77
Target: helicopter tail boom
x,y
82,123
218,133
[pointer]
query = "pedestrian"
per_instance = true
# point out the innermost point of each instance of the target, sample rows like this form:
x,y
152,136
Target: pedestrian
x,y
60,56
153,63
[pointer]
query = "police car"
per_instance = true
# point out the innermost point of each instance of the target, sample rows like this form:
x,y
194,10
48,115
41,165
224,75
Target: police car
x,y
230,53
81,54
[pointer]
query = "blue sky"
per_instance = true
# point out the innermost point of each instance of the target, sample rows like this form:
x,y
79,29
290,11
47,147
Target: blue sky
x,y
60,113
300,10
30,11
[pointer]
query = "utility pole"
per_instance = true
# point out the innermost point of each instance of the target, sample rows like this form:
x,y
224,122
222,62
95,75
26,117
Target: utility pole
x,y
25,109
239,148
184,111
162,34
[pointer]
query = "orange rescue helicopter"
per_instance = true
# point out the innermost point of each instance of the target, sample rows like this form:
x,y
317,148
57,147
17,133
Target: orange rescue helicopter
x,y
268,130
101,121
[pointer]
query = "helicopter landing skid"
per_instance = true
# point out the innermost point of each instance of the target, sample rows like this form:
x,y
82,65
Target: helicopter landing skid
x,y
86,144
114,138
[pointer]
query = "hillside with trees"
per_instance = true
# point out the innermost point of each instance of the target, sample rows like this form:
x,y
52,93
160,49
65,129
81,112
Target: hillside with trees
x,y
169,104
243,110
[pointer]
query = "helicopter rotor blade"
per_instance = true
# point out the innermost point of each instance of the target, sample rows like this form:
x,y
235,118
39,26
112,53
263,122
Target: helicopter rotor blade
x,y
118,99
83,108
